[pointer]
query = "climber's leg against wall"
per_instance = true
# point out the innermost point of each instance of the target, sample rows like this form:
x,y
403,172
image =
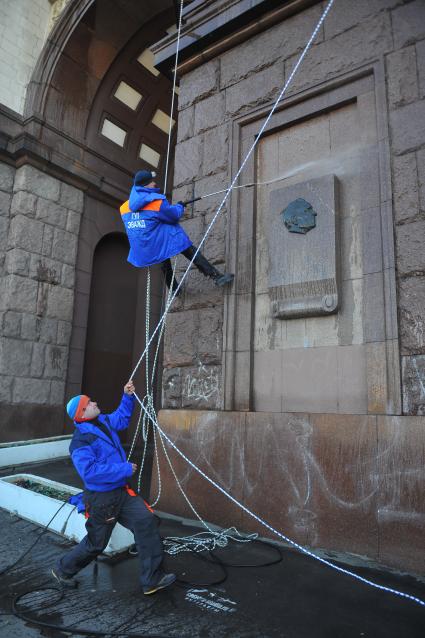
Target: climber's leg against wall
x,y
207,269
167,269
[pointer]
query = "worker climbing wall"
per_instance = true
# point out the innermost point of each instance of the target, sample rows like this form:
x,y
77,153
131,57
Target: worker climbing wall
x,y
306,364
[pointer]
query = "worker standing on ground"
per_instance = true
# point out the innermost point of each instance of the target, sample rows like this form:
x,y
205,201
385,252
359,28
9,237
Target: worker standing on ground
x,y
154,233
100,460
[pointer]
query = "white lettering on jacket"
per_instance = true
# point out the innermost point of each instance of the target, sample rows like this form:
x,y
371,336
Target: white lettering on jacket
x,y
137,224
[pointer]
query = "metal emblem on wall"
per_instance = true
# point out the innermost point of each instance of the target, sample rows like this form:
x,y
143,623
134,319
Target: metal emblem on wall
x,y
299,216
303,271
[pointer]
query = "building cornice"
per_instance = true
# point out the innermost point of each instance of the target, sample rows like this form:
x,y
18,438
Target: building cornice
x,y
212,27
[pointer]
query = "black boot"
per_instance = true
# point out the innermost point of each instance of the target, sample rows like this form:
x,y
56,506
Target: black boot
x,y
207,269
223,279
64,581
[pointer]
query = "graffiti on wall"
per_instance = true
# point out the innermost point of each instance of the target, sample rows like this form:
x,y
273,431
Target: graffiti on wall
x,y
202,386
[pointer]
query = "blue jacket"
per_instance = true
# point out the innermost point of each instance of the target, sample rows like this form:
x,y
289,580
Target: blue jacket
x,y
100,462
152,227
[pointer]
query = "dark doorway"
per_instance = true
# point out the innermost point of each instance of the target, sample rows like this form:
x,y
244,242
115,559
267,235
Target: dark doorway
x,y
111,322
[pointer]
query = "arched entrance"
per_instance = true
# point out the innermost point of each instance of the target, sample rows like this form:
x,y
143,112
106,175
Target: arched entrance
x,y
98,89
111,322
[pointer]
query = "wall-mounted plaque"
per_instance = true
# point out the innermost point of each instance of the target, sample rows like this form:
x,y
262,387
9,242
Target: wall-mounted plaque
x,y
303,264
299,216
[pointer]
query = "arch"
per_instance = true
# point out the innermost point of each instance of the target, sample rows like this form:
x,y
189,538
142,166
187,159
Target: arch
x,y
79,52
94,47
50,54
142,119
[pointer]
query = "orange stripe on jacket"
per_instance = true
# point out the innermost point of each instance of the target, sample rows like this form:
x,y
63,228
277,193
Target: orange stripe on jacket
x,y
125,208
155,205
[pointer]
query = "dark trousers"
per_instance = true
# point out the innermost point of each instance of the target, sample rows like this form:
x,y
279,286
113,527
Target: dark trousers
x,y
201,262
105,510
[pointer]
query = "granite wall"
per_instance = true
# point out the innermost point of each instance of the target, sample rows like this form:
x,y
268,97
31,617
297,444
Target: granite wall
x,y
41,220
325,481
385,40
321,432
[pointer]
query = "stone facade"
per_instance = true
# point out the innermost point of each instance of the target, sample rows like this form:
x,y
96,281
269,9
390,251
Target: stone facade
x,y
406,93
329,408
235,84
24,28
37,289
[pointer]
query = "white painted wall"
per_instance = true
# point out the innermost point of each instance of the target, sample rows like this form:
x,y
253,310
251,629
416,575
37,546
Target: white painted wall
x,y
19,452
23,29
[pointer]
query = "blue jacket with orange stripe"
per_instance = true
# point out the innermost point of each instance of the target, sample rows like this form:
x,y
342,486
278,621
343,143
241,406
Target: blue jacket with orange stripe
x,y
152,227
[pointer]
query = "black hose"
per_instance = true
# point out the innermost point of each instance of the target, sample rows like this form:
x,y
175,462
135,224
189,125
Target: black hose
x,y
72,630
214,559
253,565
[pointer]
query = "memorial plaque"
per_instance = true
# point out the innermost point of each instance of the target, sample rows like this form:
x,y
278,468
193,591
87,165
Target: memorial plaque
x,y
303,248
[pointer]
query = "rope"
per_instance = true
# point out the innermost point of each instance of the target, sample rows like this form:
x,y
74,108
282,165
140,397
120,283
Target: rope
x,y
173,95
262,522
208,540
148,410
147,405
242,166
152,416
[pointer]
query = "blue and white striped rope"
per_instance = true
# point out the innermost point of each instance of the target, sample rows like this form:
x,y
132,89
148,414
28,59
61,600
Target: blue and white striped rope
x,y
230,188
262,522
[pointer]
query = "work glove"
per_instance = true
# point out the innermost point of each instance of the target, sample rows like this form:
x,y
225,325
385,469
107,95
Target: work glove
x,y
182,204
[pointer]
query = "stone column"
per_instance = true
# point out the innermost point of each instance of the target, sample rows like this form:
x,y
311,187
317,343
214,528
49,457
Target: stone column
x,y
193,346
36,301
406,93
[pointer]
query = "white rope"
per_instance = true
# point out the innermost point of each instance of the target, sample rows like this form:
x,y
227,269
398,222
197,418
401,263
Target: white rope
x,y
148,401
173,94
207,540
262,522
242,166
149,409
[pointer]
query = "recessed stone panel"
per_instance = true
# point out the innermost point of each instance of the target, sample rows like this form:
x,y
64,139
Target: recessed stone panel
x,y
302,236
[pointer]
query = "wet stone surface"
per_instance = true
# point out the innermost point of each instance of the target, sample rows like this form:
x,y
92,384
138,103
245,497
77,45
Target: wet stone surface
x,y
296,598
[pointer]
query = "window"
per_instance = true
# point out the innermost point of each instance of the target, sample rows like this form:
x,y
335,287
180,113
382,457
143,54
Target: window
x,y
147,60
113,132
129,96
162,121
149,155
